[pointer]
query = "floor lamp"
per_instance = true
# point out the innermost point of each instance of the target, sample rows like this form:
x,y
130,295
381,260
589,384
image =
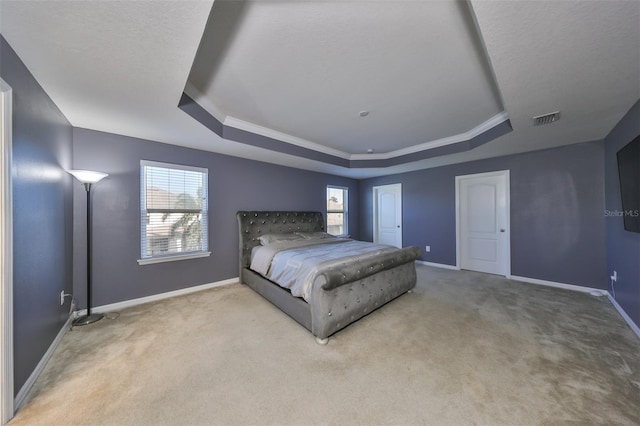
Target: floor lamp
x,y
88,178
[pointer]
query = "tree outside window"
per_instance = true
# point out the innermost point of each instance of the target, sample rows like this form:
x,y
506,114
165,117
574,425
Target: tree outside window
x,y
337,214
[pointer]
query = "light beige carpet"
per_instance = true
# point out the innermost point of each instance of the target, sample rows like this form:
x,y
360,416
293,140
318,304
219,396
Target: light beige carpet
x,y
464,348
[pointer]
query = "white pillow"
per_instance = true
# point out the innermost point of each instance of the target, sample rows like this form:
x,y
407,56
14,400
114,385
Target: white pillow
x,y
273,238
314,235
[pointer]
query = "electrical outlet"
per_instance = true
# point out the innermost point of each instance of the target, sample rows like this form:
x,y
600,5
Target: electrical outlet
x,y
427,249
614,277
62,298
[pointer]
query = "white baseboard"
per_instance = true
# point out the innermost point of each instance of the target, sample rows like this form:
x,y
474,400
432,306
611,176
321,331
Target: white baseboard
x,y
24,390
582,289
160,296
624,315
438,265
571,287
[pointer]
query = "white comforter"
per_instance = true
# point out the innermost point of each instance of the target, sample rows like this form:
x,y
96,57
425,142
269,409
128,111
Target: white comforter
x,y
295,264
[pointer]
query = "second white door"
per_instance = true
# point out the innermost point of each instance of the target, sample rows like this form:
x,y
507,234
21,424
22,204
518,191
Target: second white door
x,y
483,222
387,214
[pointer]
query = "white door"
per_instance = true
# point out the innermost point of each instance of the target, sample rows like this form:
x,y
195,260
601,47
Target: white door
x,y
483,222
387,214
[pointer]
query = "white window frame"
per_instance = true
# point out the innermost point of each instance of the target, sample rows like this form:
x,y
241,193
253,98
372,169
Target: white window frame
x,y
344,211
143,213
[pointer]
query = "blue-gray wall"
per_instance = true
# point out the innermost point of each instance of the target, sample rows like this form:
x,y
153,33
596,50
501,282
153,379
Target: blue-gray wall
x,y
623,247
42,214
557,203
234,184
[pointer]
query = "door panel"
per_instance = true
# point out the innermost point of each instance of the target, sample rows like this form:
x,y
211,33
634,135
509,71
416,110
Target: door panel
x,y
482,208
483,249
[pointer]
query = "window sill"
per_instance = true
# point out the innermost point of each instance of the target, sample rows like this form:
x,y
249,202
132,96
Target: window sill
x,y
153,260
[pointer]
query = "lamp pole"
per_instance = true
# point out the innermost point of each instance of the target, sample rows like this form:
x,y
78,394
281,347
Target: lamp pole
x,y
88,178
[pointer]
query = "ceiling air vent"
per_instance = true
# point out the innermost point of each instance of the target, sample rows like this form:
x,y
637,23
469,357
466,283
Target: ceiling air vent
x,y
541,120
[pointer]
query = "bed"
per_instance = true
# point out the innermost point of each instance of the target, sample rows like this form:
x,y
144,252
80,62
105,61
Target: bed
x,y
341,291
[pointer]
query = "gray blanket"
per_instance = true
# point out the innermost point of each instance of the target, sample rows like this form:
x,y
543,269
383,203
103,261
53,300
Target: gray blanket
x,y
296,264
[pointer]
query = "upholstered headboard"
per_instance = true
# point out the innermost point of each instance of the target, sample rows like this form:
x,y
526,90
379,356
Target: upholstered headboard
x,y
253,224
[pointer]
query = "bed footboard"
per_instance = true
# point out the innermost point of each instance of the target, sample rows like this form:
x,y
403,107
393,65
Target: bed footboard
x,y
344,295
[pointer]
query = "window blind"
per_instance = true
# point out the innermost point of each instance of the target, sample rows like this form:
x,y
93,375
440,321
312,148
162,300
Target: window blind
x,y
174,209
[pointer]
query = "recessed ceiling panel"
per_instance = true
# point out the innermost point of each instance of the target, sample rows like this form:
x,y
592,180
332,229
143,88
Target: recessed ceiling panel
x,y
308,69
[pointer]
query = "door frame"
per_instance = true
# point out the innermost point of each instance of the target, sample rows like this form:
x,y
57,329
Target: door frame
x,y
6,255
375,210
505,174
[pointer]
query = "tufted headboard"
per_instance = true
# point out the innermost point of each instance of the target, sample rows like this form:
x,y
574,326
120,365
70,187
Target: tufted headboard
x,y
253,224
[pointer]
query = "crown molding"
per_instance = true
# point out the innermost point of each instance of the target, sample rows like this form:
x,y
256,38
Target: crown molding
x,y
284,137
230,122
204,102
462,137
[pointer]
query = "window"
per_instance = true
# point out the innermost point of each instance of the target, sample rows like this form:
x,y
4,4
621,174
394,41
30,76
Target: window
x,y
337,215
173,212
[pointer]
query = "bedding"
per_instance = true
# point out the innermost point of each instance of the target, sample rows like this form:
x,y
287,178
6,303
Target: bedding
x,y
295,264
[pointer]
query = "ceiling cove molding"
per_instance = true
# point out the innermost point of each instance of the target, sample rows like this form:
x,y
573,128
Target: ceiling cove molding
x,y
197,112
204,102
284,137
483,127
204,111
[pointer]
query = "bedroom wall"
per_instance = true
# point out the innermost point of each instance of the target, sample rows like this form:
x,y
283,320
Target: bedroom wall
x,y
234,184
557,202
623,247
42,214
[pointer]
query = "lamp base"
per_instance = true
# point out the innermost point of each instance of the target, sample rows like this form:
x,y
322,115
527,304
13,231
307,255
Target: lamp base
x,y
87,319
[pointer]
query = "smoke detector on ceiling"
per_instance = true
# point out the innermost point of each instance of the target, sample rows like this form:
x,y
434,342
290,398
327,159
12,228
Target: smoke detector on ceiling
x,y
549,118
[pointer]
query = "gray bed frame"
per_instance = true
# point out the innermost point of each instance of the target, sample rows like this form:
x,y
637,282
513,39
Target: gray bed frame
x,y
340,295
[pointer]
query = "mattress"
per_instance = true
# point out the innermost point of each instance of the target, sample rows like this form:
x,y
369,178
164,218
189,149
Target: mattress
x,y
295,264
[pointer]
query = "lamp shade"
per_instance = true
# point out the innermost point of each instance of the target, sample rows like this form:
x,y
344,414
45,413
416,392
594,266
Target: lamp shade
x,y
88,176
